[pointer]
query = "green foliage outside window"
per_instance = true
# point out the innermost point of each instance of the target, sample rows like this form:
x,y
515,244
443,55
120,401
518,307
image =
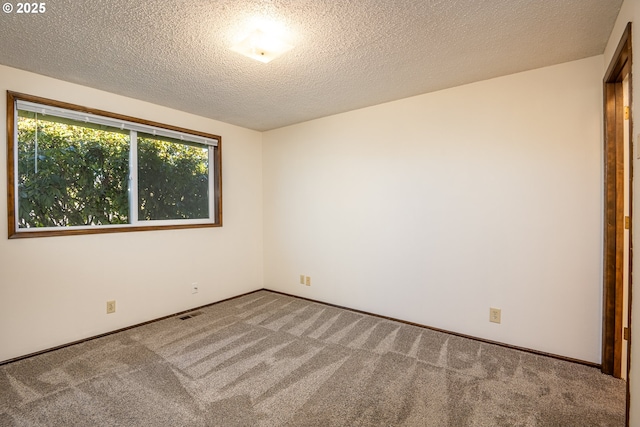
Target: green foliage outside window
x,y
173,180
71,175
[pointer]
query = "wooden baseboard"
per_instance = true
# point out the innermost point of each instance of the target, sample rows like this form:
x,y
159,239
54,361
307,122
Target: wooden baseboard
x,y
26,356
501,344
513,347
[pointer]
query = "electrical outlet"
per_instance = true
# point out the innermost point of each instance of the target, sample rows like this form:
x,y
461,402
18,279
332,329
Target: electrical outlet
x,y
302,279
494,315
307,281
111,307
194,288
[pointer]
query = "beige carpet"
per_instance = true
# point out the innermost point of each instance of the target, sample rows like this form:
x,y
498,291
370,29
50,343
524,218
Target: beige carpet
x,y
266,359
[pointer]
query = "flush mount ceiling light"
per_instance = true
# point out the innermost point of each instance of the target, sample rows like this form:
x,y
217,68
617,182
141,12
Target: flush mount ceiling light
x,y
261,46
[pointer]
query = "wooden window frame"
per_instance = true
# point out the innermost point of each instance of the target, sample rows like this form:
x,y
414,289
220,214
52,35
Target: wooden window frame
x,y
215,219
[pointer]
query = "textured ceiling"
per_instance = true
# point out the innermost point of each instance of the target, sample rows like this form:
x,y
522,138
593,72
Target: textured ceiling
x,y
347,54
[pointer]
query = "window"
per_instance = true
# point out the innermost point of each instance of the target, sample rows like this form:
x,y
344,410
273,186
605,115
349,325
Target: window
x,y
74,170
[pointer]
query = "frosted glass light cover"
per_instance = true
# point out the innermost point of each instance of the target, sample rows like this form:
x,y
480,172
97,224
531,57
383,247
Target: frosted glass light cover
x,y
261,46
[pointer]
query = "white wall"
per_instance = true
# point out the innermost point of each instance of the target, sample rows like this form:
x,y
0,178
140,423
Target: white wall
x,y
630,12
53,290
434,208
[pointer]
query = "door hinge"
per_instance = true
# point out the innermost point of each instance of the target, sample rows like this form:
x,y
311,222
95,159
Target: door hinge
x,y
627,112
626,334
627,222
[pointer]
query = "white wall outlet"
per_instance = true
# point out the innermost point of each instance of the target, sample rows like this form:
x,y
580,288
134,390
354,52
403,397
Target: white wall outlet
x,y
111,307
494,315
307,281
302,279
194,288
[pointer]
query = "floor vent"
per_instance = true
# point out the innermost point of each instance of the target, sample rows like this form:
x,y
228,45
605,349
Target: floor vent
x,y
190,315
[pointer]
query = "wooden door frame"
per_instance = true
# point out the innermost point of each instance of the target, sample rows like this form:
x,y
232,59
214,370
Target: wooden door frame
x,y
614,223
